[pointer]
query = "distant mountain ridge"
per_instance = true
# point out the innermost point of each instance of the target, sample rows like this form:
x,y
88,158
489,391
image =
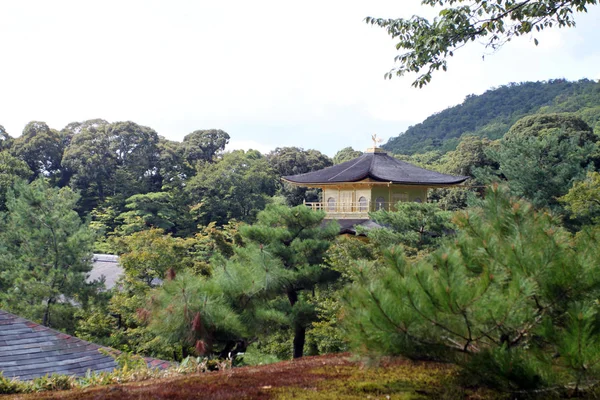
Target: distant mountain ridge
x,y
492,113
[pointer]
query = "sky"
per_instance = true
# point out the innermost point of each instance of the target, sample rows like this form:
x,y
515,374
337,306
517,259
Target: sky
x,y
270,73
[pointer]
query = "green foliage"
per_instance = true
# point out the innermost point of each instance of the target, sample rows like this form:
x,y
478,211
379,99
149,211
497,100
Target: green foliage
x,y
252,292
214,241
429,44
6,141
325,335
504,299
41,148
471,152
204,145
491,114
12,170
173,170
416,226
46,255
296,237
146,257
346,154
345,250
287,161
229,306
583,199
160,210
542,155
114,160
11,386
52,382
237,187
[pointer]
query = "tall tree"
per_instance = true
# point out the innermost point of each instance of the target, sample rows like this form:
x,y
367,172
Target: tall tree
x,y
92,165
136,151
6,140
542,155
12,170
47,255
238,186
41,148
297,238
114,160
162,210
172,168
204,145
294,160
429,44
346,154
222,313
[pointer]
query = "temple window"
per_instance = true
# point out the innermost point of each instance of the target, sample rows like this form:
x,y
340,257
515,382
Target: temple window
x,y
331,204
379,203
362,203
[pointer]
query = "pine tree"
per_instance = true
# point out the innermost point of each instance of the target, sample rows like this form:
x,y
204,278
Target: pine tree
x,y
46,256
243,298
297,238
512,298
217,313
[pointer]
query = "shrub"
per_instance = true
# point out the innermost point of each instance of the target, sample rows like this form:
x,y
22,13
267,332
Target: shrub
x,y
512,299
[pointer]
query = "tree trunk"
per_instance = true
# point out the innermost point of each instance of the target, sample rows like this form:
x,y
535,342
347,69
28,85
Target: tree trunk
x,y
299,338
46,318
299,330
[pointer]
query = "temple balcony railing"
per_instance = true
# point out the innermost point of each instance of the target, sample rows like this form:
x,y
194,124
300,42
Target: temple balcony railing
x,y
350,210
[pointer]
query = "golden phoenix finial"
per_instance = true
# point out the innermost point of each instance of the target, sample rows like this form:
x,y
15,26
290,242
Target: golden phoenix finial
x,y
375,140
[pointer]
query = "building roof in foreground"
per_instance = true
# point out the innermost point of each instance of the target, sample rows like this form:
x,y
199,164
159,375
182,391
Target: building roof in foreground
x,y
29,350
377,166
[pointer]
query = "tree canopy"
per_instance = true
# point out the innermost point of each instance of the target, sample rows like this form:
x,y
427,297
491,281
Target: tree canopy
x,y
429,43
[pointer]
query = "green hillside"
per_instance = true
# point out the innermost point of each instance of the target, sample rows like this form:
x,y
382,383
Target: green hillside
x,y
492,113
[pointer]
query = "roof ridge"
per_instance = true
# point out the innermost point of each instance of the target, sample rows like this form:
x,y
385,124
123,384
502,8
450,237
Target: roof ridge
x,y
359,159
372,161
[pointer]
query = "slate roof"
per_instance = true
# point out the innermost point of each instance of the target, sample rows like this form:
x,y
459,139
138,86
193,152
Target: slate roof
x,y
29,350
378,166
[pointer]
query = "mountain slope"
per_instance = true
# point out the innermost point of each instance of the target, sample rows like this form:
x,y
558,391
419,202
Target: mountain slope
x,y
492,113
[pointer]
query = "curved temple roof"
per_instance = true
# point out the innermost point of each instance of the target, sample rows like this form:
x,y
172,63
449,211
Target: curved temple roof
x,y
378,166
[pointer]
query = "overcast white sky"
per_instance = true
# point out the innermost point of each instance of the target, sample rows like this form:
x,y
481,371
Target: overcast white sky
x,y
270,73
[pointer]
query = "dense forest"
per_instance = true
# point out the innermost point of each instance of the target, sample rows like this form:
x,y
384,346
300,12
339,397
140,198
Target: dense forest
x,y
221,259
491,114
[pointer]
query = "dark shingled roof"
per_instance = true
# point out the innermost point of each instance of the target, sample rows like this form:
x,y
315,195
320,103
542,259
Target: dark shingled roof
x,y
29,350
380,167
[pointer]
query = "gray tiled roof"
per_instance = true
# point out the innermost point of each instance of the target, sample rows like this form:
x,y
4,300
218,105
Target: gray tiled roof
x,y
29,350
107,266
379,167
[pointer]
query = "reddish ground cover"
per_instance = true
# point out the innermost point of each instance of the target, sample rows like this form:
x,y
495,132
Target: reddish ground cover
x,y
323,377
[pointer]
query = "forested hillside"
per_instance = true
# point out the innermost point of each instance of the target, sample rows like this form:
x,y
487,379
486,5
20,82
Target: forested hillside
x,y
492,113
